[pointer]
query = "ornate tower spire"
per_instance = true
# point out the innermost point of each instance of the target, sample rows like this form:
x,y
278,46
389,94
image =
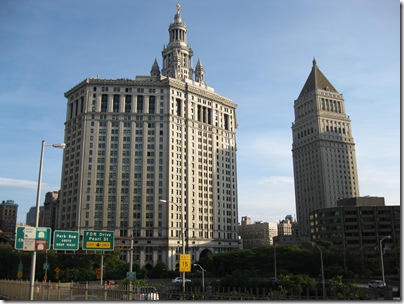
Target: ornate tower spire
x,y
155,70
177,56
199,72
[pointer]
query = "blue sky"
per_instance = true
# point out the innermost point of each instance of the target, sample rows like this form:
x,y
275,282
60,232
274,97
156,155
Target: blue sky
x,y
258,53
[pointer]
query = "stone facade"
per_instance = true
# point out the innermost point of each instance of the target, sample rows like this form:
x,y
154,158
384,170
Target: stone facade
x,y
324,158
131,143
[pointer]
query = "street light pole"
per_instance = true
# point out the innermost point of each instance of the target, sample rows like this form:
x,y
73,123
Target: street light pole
x,y
182,237
322,270
276,278
131,254
381,256
203,277
38,197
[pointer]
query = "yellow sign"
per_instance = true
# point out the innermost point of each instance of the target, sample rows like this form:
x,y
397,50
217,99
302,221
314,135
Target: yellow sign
x,y
185,256
98,273
98,245
185,263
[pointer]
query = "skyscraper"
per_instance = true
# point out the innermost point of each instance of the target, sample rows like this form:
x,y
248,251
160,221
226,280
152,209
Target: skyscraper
x,y
131,143
324,160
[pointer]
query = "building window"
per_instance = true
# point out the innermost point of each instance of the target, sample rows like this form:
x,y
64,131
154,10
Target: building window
x,y
128,103
116,103
104,103
178,107
140,104
152,104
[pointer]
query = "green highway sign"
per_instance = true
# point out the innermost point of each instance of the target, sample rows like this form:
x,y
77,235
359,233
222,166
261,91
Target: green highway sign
x,y
98,240
32,239
19,238
131,275
65,240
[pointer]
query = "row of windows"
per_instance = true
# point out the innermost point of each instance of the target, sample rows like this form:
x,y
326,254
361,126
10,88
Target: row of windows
x,y
331,105
127,89
204,114
116,103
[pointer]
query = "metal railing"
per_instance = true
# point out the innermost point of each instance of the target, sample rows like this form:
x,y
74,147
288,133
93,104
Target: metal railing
x,y
58,291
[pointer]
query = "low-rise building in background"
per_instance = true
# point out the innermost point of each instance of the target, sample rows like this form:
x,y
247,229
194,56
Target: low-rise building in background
x,y
256,234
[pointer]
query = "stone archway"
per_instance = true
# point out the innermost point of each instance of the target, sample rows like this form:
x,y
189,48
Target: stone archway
x,y
204,253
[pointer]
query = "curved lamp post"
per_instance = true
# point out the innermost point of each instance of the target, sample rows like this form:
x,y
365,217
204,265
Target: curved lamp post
x,y
322,269
182,236
203,277
38,197
381,256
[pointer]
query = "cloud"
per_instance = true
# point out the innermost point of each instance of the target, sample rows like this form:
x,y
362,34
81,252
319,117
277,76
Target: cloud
x,y
17,183
278,180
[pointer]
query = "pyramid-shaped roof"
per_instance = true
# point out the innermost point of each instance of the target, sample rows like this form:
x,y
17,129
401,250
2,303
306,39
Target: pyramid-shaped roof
x,y
316,81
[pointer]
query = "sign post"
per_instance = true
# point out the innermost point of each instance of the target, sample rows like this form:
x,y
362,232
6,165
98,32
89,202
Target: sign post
x,y
20,269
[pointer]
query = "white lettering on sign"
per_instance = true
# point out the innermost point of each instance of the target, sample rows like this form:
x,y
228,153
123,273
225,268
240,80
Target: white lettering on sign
x,y
100,238
65,245
66,236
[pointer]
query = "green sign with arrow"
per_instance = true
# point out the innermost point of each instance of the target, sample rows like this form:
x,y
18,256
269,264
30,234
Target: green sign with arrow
x,y
98,240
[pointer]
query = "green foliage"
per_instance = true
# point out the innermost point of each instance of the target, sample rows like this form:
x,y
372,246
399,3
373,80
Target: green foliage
x,y
142,273
77,275
8,258
238,278
296,283
158,271
115,268
337,287
259,262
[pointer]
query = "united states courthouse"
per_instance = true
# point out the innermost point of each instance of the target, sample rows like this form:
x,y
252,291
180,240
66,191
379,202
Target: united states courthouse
x,y
324,157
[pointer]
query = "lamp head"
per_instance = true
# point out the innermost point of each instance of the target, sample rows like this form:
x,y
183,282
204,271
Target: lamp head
x,y
163,201
61,146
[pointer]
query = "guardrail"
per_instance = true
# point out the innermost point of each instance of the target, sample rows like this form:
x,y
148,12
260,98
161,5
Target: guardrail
x,y
57,291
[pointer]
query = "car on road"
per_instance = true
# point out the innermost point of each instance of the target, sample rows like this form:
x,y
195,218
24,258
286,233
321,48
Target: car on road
x,y
375,284
179,280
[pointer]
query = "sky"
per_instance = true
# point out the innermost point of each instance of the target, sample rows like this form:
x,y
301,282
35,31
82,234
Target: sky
x,y
258,53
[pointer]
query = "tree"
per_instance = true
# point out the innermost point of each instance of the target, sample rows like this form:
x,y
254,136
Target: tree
x,y
9,262
114,267
158,271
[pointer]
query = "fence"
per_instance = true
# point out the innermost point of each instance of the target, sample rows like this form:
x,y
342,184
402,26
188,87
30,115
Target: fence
x,y
57,291
51,291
